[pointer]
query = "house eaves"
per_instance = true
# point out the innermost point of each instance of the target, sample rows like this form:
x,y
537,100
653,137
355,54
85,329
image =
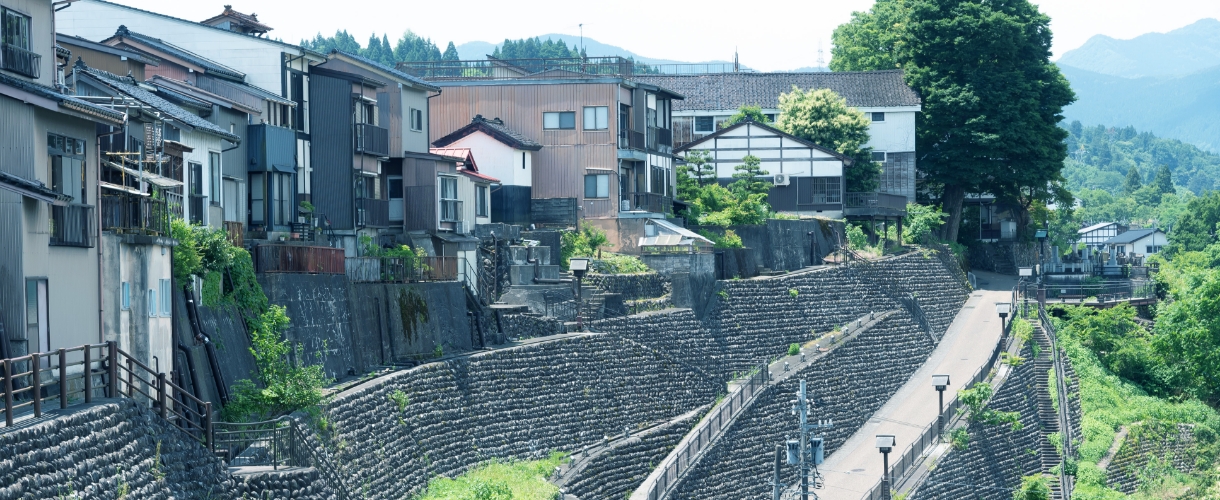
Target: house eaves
x,y
171,111
50,99
139,57
382,69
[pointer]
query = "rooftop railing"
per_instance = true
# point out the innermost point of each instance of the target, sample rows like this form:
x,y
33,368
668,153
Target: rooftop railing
x,y
557,67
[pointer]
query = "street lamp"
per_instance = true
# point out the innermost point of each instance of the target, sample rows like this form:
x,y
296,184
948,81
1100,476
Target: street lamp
x,y
1002,308
885,443
940,382
1041,236
579,267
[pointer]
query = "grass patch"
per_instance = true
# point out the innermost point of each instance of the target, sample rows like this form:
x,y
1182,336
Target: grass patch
x,y
500,480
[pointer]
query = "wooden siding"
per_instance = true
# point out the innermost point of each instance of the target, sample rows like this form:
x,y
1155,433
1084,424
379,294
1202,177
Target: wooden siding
x,y
559,168
332,150
17,150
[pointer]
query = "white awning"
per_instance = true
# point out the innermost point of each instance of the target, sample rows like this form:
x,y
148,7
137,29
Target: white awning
x,y
159,180
125,189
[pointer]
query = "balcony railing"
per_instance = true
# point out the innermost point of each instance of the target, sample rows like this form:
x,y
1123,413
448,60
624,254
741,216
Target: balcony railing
x,y
630,139
372,213
19,60
173,202
451,211
298,259
660,139
403,269
372,139
72,226
652,202
135,215
875,204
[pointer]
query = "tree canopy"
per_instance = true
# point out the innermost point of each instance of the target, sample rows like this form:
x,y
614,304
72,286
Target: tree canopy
x,y
823,117
991,97
409,47
535,48
752,112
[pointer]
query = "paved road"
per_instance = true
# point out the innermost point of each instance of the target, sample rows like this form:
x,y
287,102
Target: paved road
x,y
856,466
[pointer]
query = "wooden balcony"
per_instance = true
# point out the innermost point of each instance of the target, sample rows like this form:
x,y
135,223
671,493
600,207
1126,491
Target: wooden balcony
x,y
875,205
129,214
298,259
372,213
20,61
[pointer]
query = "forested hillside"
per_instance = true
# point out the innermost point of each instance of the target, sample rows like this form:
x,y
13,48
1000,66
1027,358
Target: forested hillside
x,y
1102,157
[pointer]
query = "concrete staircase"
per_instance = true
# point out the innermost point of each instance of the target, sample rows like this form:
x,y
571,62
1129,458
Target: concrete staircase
x,y
1047,416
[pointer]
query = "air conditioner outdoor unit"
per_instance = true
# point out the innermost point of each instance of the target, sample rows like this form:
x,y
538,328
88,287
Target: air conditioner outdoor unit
x,y
781,179
459,227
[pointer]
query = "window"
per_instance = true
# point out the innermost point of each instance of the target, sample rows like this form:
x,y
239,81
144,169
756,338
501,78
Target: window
x,y
67,163
879,156
481,201
705,124
819,191
417,119
258,193
367,113
167,298
597,186
597,118
282,197
878,116
1152,249
36,316
152,303
559,120
770,117
214,177
450,206
125,298
16,30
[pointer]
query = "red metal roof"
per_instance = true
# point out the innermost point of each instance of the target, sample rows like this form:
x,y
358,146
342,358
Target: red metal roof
x,y
468,166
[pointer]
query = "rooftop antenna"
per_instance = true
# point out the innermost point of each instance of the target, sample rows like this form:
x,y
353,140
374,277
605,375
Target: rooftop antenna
x,y
736,64
582,39
821,59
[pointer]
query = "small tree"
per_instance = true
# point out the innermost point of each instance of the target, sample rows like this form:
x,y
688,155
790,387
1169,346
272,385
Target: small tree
x,y
1033,487
1134,181
921,221
823,118
748,178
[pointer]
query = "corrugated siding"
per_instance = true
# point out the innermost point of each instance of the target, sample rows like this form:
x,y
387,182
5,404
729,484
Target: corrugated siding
x,y
566,155
389,110
331,151
419,184
16,157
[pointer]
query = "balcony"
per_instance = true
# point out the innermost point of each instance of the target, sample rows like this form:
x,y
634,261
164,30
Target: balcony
x,y
652,202
372,213
451,211
372,140
21,61
298,259
875,204
403,269
127,214
630,139
660,140
72,226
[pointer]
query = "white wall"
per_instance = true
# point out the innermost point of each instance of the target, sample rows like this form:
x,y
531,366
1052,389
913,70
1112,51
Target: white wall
x,y
498,160
258,58
731,147
201,143
894,135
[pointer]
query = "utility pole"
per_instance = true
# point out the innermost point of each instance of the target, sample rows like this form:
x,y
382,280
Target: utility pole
x,y
779,487
807,453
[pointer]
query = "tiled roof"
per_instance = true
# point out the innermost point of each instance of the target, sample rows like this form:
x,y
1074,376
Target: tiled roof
x,y
63,99
222,30
724,91
387,69
248,20
174,111
208,65
1130,236
496,129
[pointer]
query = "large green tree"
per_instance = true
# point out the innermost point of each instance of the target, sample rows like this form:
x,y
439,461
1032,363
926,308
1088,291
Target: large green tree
x,y
823,117
991,97
1196,227
1134,181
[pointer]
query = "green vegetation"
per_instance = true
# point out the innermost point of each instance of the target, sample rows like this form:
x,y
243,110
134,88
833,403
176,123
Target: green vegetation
x,y
823,117
615,263
959,438
587,242
921,222
991,97
1124,162
410,47
794,349
1035,487
754,113
499,480
729,240
974,405
535,48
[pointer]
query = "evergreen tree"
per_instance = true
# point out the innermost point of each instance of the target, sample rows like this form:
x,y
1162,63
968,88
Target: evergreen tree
x,y
412,47
748,179
1134,182
451,53
1164,181
752,112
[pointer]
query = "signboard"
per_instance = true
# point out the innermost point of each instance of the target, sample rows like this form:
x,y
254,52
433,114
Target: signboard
x,y
1026,271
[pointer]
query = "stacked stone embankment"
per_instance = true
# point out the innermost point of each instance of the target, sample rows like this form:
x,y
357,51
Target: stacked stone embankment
x,y
395,433
114,449
847,386
617,472
1168,444
630,286
291,482
997,456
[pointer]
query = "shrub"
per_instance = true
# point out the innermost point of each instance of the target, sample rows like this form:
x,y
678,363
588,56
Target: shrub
x,y
856,239
729,240
287,386
587,242
792,292
1033,487
959,438
794,349
613,263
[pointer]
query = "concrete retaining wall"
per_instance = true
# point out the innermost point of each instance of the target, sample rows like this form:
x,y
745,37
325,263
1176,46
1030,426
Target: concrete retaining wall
x,y
321,318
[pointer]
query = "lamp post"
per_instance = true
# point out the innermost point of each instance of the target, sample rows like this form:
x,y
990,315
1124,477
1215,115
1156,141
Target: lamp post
x,y
1003,308
885,443
579,267
1041,236
940,382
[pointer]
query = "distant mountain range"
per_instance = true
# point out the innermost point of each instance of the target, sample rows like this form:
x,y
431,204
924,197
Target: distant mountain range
x,y
1164,83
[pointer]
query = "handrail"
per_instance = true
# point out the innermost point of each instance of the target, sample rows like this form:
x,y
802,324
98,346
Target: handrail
x,y
288,445
1064,414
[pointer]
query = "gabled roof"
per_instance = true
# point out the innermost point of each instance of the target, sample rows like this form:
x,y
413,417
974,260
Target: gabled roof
x,y
468,166
494,128
181,87
174,112
386,70
1095,227
347,75
725,91
847,161
124,35
1131,236
248,21
87,109
116,51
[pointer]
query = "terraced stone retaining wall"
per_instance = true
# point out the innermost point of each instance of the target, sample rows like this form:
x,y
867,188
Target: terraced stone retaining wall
x,y
848,386
1170,445
997,456
615,473
631,286
520,402
294,483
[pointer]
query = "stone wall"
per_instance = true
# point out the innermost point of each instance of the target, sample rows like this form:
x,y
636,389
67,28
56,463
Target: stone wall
x,y
631,286
529,325
106,451
997,456
1172,445
848,386
520,402
617,472
287,482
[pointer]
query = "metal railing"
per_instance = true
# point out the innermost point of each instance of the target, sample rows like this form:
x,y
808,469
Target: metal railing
x,y
701,437
556,67
372,212
631,139
402,269
298,259
77,375
1066,482
660,139
276,443
875,201
22,61
1102,292
173,201
72,226
123,213
652,202
372,139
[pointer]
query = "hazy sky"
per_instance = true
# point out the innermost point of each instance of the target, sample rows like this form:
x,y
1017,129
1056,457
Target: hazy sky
x,y
768,34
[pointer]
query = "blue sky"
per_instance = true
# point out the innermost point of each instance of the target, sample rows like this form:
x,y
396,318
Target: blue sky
x,y
768,34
